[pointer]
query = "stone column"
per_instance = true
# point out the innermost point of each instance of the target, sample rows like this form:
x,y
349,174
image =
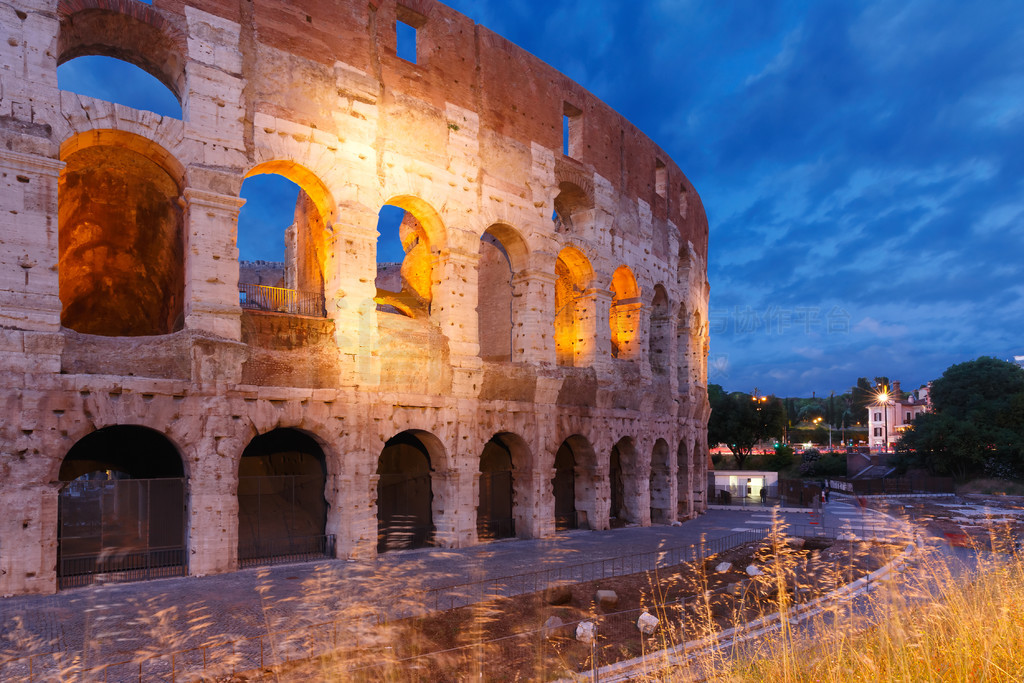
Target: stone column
x,y
594,343
211,263
454,309
29,284
533,296
212,519
350,289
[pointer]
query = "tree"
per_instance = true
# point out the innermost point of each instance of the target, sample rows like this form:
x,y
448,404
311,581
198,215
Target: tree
x,y
740,422
864,395
977,421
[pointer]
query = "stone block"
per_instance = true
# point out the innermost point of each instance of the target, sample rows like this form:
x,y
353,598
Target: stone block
x,y
607,599
558,595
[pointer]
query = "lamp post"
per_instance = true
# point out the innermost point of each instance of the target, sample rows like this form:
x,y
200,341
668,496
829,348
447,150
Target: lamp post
x,y
883,400
759,400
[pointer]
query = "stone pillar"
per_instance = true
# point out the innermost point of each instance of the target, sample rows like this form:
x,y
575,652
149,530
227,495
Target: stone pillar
x,y
533,296
28,531
212,519
350,289
454,309
541,511
29,284
211,263
594,343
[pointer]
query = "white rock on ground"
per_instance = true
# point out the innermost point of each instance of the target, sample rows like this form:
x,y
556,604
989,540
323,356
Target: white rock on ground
x,y
647,623
585,632
723,567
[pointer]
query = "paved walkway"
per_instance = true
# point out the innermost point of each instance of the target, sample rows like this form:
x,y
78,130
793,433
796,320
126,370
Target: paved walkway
x,y
115,622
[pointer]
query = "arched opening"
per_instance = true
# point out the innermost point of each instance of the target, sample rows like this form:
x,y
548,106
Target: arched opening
x,y
685,482
661,484
404,494
683,350
282,240
570,204
574,485
697,350
121,82
120,237
494,511
134,33
624,316
502,255
564,485
574,275
282,511
661,333
121,508
624,493
410,233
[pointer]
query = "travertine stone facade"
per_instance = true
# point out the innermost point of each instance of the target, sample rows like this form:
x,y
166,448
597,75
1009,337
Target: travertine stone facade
x,y
586,329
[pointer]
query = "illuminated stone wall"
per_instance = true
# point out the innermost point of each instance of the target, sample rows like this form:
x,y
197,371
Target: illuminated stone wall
x,y
119,268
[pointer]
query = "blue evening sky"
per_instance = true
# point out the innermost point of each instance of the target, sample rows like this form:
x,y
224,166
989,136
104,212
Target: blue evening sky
x,y
861,164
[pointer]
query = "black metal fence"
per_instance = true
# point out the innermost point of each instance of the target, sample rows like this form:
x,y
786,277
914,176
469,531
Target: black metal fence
x,y
120,530
281,300
267,551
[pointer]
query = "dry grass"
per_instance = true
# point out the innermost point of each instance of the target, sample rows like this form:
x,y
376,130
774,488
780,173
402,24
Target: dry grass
x,y
929,625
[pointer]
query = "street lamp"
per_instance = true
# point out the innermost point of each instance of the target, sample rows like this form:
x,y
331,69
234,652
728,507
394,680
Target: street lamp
x,y
817,421
759,400
883,400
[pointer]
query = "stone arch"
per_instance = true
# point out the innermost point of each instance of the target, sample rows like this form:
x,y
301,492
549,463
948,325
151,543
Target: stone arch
x,y
122,507
574,484
299,284
408,287
504,501
570,205
660,342
624,484
685,478
121,267
129,31
501,250
684,350
624,315
282,504
406,503
574,275
661,483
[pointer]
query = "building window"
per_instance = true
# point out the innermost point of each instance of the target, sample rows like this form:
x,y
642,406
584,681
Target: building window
x,y
660,178
878,417
407,28
878,431
572,131
910,417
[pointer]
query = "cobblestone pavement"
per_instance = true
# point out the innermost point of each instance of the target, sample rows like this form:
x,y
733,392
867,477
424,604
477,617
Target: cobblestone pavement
x,y
115,622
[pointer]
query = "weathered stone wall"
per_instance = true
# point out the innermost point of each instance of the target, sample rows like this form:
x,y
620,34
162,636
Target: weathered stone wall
x,y
468,141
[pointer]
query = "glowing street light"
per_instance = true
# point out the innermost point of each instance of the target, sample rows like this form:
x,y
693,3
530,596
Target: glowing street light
x,y
883,400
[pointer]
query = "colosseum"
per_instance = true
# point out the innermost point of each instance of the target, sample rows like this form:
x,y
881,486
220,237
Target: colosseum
x,y
535,363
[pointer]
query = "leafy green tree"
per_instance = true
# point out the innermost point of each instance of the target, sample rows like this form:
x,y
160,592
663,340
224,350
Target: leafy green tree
x,y
977,421
740,422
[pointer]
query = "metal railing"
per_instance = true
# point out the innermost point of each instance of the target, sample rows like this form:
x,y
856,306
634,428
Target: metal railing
x,y
285,550
119,567
281,300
